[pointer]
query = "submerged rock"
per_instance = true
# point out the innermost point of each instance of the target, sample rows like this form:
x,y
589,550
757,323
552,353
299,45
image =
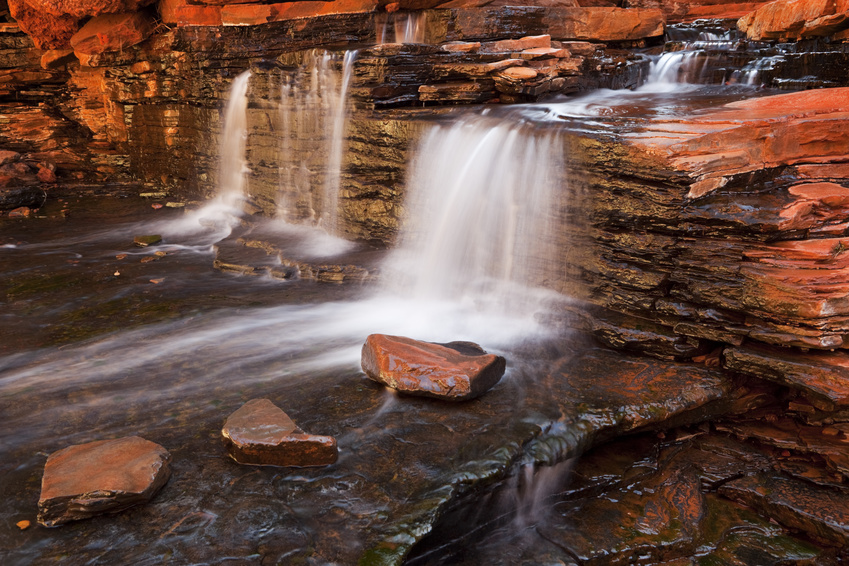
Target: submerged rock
x,y
105,476
456,371
260,433
148,240
17,197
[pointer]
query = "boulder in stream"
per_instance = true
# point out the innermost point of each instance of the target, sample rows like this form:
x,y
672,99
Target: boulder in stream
x,y
104,476
260,433
455,371
16,197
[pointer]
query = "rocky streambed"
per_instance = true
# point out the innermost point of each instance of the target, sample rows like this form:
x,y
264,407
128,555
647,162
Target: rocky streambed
x,y
724,471
666,289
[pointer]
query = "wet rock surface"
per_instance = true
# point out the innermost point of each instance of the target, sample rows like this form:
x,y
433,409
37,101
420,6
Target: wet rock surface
x,y
456,371
696,494
796,19
260,433
104,476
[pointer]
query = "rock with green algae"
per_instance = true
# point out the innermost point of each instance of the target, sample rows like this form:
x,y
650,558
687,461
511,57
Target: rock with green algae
x,y
147,240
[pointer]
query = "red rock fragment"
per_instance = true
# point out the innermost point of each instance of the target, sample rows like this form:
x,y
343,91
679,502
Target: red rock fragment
x,y
245,14
86,8
181,13
260,433
20,212
455,372
105,476
786,20
47,31
112,32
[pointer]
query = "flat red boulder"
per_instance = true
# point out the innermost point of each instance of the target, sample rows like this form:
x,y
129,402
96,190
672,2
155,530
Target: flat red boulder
x,y
788,20
456,371
105,476
260,433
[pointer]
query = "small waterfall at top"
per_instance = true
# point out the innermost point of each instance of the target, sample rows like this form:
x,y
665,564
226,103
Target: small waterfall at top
x,y
403,27
482,207
690,64
313,116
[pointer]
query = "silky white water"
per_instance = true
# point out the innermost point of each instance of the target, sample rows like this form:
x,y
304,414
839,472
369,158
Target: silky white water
x,y
314,109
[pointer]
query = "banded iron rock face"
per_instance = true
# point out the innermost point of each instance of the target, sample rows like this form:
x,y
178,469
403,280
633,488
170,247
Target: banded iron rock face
x,y
260,433
105,476
455,371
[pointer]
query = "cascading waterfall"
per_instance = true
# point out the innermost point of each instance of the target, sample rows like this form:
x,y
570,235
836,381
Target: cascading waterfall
x,y
216,219
482,206
689,64
233,169
313,115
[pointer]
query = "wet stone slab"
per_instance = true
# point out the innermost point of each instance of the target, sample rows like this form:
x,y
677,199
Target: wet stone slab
x,y
261,433
105,476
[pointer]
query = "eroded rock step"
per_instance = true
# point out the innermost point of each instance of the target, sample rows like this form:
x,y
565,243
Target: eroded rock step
x,y
281,255
693,494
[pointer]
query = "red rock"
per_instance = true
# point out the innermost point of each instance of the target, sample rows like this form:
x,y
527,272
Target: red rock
x,y
822,514
823,375
105,476
509,45
181,13
518,74
46,175
112,32
688,10
786,20
87,8
7,156
604,24
455,371
245,14
260,433
305,9
22,212
787,129
46,31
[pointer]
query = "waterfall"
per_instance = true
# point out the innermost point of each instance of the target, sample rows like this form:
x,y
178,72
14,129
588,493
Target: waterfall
x,y
691,63
232,168
339,119
313,116
481,213
405,27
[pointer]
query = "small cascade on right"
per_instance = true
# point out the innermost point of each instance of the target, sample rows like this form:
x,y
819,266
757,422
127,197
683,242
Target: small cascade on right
x,y
692,56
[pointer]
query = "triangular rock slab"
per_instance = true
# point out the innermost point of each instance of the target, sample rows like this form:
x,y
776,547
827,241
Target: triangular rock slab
x,y
455,372
260,433
105,476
